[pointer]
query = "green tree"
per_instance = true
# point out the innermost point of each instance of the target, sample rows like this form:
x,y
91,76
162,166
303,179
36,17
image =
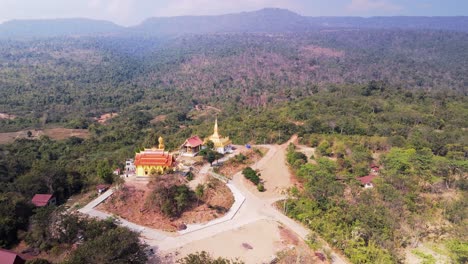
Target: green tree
x,y
211,157
199,191
210,144
14,215
105,172
115,246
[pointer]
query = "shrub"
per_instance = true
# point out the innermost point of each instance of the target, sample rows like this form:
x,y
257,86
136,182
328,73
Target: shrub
x,y
251,175
260,187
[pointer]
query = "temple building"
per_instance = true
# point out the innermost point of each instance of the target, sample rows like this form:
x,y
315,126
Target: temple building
x,y
221,144
154,161
191,146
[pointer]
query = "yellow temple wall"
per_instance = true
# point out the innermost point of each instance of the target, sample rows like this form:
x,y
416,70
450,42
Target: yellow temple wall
x,y
140,170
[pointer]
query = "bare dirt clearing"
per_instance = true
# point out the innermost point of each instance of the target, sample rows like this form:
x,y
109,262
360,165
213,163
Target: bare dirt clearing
x,y
316,51
54,133
275,174
7,116
245,158
106,117
129,203
257,242
159,118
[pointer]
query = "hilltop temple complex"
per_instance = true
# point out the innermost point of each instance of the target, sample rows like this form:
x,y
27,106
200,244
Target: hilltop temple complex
x,y
221,144
154,161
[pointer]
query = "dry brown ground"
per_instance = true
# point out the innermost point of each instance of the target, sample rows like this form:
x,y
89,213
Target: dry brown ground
x,y
257,242
105,117
129,203
7,116
158,118
58,133
57,254
314,51
231,167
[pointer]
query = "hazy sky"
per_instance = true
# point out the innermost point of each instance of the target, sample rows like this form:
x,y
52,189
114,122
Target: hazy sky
x,y
131,12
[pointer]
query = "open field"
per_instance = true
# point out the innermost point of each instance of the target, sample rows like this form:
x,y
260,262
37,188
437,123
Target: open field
x,y
58,133
257,242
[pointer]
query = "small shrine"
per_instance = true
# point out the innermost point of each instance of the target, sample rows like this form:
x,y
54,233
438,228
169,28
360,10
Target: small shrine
x,y
191,146
221,144
154,161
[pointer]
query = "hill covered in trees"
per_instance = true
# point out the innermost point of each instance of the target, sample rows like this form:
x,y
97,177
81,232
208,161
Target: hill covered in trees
x,y
350,92
71,80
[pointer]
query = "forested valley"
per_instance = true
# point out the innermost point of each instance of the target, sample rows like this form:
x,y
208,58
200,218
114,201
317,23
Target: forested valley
x,y
351,93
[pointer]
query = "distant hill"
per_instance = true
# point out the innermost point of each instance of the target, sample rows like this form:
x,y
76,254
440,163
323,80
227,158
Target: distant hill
x,y
459,23
56,27
268,20
273,20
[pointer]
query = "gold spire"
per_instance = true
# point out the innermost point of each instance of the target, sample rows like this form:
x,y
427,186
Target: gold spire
x,y
161,143
216,128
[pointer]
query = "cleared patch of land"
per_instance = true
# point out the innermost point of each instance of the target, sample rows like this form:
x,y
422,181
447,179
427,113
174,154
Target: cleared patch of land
x,y
7,116
105,117
129,203
257,242
245,158
316,51
58,133
159,118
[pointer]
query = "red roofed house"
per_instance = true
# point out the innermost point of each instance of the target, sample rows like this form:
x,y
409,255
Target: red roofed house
x,y
191,146
366,181
152,161
375,168
40,200
10,257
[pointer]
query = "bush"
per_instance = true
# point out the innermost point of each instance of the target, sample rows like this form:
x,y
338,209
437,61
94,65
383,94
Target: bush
x,y
251,175
260,187
170,197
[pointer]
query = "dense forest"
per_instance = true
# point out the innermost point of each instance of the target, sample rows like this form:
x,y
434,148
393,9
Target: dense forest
x,y
350,93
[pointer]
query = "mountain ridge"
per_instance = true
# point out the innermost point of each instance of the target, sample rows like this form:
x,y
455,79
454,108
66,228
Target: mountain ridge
x,y
267,20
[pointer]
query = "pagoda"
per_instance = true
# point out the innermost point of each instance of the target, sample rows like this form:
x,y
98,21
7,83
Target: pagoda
x,y
221,144
154,161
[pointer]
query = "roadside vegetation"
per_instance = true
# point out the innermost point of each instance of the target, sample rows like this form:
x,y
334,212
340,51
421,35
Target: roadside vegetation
x,y
413,199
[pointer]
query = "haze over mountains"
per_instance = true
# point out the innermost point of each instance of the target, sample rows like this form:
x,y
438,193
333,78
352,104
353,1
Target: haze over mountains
x,y
268,20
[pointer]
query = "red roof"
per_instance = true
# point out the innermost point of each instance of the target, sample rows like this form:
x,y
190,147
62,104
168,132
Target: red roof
x,y
154,158
10,257
41,199
193,142
366,179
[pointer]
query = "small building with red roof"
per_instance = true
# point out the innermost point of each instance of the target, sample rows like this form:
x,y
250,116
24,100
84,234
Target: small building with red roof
x,y
366,181
154,161
375,168
10,257
41,200
191,146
